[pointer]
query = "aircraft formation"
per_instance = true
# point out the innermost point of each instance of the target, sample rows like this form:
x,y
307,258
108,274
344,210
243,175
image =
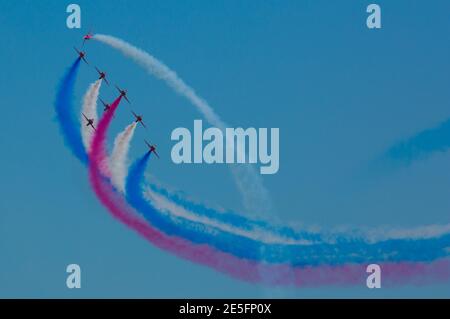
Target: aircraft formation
x,y
107,106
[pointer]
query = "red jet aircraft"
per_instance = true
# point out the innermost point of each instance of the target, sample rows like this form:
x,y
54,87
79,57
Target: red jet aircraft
x,y
123,93
106,106
87,37
139,119
90,122
102,75
82,55
152,148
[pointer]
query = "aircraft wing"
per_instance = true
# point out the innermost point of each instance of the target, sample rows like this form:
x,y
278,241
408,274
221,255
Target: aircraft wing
x,y
127,99
156,154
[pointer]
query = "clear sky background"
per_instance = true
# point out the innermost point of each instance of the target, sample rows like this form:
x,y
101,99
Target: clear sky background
x,y
340,93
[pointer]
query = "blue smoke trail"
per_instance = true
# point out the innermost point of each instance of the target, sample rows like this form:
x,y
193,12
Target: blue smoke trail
x,y
236,220
65,115
421,145
343,251
171,225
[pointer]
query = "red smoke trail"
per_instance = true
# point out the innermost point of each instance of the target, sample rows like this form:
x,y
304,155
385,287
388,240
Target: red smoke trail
x,y
274,274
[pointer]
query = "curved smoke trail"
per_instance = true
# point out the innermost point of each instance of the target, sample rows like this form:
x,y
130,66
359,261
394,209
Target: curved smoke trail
x,y
171,208
249,183
89,109
67,119
263,231
118,158
156,193
344,250
285,234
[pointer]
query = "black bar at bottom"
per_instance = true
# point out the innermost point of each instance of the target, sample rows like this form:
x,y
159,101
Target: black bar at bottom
x,y
232,308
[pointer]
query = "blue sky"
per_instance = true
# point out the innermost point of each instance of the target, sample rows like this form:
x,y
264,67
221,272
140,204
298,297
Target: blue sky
x,y
341,95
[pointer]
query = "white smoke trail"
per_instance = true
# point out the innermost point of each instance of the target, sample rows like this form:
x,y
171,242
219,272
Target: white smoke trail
x,y
249,183
333,236
163,72
89,108
421,232
164,205
119,157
